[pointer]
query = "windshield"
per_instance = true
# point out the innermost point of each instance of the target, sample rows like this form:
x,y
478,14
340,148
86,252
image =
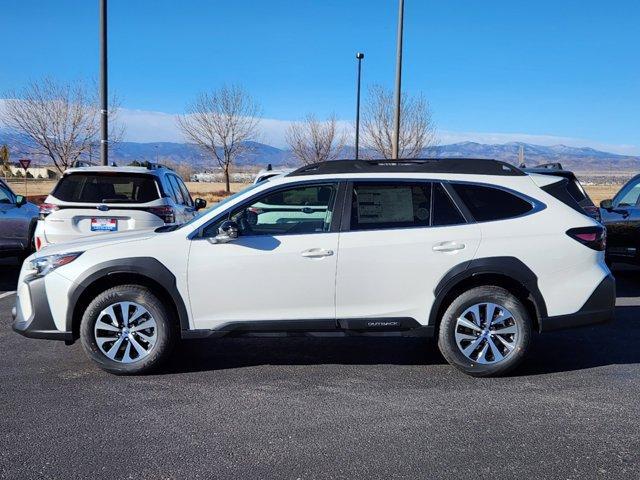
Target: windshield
x,y
170,228
106,187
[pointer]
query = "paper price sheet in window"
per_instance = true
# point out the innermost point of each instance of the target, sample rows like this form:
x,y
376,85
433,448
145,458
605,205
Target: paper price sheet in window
x,y
377,205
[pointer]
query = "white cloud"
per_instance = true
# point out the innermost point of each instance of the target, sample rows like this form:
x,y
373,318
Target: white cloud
x,y
150,126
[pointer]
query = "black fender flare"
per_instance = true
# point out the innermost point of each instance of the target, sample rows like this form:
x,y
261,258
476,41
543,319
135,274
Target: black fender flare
x,y
510,267
148,267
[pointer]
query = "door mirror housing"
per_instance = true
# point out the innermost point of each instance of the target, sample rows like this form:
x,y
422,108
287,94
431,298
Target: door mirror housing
x,y
199,204
606,204
20,200
227,232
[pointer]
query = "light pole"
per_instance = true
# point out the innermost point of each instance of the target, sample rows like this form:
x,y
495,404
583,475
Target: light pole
x,y
359,56
398,95
104,128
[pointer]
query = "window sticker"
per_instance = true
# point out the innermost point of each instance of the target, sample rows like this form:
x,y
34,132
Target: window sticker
x,y
381,205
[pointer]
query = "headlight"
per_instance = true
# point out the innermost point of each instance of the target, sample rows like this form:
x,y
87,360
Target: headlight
x,y
43,265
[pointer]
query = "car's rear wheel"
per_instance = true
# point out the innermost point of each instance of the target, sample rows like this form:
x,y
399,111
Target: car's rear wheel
x,y
484,332
127,330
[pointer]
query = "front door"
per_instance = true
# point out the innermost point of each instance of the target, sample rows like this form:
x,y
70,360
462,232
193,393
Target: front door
x,y
282,266
623,224
402,238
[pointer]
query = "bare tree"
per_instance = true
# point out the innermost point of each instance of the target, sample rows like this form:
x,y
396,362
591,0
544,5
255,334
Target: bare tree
x,y
220,122
417,130
314,141
61,119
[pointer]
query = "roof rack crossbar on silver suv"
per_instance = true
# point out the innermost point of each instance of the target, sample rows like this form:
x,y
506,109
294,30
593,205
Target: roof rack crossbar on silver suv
x,y
472,166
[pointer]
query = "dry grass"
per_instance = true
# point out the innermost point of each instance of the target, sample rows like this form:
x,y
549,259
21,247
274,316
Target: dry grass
x,y
214,192
601,192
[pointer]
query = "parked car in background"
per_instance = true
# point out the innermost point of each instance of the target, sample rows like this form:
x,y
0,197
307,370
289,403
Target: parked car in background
x,y
17,223
621,216
102,200
269,172
474,252
572,186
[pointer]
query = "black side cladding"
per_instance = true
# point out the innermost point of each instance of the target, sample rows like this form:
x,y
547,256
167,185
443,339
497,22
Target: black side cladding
x,y
559,190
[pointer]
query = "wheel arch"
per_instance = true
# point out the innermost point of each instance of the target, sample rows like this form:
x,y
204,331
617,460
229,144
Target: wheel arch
x,y
145,271
509,273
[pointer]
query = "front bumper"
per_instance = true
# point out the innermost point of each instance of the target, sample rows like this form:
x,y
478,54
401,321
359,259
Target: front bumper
x,y
39,323
599,308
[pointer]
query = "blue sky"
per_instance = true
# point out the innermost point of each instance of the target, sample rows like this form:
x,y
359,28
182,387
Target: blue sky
x,y
496,69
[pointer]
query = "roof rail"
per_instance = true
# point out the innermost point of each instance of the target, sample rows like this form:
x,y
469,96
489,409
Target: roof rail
x,y
473,166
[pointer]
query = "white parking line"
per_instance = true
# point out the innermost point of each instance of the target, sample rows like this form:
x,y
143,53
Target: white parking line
x,y
6,294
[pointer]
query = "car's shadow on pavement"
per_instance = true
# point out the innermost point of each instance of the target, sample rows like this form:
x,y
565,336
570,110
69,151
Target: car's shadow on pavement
x,y
611,344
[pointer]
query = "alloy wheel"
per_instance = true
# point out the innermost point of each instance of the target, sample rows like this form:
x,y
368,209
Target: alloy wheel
x,y
125,332
486,333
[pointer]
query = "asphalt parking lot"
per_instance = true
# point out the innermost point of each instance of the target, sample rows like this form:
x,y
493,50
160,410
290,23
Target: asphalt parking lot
x,y
325,408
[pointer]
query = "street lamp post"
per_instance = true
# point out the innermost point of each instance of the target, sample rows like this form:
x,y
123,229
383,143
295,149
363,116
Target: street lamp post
x,y
359,56
398,94
104,128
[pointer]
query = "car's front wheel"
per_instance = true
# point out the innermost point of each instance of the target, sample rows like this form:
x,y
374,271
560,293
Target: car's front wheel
x,y
127,330
485,331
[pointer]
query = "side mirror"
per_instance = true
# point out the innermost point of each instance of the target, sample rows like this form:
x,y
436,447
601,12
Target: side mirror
x,y
227,232
199,203
606,204
20,200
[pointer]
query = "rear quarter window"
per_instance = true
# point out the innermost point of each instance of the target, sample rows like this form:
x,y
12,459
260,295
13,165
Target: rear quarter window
x,y
106,188
488,203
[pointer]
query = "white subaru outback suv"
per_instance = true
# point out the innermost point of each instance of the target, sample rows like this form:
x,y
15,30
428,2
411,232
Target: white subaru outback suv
x,y
474,252
103,200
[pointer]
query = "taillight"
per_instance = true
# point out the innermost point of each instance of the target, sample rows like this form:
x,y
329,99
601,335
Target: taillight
x,y
593,212
46,209
38,243
165,212
592,237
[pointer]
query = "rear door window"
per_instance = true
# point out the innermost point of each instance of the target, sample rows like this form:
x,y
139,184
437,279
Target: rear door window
x,y
185,192
388,205
488,203
445,212
178,197
106,188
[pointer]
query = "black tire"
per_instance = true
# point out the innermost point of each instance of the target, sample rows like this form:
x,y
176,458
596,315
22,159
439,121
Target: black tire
x,y
165,329
478,295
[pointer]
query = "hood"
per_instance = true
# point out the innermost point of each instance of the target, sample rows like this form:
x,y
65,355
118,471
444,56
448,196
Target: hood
x,y
95,241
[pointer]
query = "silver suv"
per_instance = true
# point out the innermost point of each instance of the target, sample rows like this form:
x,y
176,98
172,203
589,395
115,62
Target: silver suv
x,y
17,223
103,200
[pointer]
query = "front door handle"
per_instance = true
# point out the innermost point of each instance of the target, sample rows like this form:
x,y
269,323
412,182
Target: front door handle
x,y
448,247
317,253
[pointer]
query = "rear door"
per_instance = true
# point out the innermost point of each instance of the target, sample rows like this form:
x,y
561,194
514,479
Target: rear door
x,y
90,203
399,239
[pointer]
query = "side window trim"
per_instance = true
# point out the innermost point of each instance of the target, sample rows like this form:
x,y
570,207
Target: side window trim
x,y
457,201
339,198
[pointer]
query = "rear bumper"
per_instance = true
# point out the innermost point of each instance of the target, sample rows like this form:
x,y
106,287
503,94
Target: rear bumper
x,y
599,308
40,322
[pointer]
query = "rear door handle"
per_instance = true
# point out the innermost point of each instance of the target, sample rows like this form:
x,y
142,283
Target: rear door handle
x,y
448,247
317,253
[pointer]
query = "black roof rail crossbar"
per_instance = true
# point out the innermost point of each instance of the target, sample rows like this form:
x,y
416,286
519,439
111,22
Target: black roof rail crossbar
x,y
472,166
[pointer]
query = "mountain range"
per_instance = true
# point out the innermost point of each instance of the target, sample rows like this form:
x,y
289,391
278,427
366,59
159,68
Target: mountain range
x,y
260,154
